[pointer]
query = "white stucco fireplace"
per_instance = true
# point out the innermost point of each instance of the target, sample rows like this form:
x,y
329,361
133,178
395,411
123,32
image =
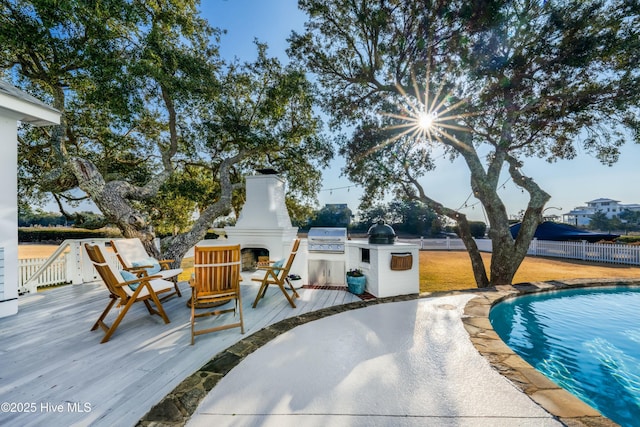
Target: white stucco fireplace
x,y
264,221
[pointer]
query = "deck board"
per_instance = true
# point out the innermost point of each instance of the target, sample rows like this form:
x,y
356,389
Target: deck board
x,y
49,356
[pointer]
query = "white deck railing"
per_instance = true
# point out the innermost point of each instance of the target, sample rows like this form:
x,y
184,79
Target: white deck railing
x,y
54,274
68,264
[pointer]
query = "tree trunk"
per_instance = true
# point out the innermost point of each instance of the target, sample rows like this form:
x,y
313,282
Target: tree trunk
x,y
175,247
477,263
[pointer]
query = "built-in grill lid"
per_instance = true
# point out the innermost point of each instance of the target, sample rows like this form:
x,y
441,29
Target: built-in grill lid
x,y
381,233
327,239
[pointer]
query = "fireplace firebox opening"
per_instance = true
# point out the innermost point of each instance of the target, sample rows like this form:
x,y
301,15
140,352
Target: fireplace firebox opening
x,y
254,257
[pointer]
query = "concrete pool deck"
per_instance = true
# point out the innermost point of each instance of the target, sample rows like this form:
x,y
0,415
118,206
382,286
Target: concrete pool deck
x,y
397,361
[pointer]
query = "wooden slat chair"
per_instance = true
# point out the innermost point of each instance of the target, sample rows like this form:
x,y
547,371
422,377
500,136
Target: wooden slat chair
x,y
120,291
133,256
216,281
278,275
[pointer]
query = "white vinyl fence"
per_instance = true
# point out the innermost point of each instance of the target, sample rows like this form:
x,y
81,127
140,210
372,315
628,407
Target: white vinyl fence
x,y
447,244
614,253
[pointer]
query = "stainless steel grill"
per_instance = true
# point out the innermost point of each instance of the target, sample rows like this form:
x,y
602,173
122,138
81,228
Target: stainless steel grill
x,y
327,239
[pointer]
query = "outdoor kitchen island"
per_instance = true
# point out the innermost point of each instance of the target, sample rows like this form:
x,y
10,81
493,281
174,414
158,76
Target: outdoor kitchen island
x,y
390,269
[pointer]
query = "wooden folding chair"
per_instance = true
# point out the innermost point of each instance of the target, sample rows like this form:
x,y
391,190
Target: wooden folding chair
x,y
133,256
216,280
278,275
121,292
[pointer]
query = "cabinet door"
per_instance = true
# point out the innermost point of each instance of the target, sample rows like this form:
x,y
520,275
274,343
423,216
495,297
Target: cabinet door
x,y
336,274
326,272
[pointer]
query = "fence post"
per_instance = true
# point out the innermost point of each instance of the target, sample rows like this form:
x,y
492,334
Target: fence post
x,y
74,264
584,250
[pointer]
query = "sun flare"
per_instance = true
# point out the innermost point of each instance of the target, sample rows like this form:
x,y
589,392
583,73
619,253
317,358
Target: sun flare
x,y
426,120
425,116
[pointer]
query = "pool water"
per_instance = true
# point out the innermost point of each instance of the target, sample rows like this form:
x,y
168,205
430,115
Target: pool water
x,y
585,340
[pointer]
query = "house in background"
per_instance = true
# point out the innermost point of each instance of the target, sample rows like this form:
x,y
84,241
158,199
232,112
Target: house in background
x,y
581,216
15,106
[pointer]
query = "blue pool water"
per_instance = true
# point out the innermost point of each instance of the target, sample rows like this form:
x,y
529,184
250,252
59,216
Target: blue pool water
x,y
585,340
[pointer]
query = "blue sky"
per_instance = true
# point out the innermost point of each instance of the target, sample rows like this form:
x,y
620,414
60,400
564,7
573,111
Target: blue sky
x,y
570,183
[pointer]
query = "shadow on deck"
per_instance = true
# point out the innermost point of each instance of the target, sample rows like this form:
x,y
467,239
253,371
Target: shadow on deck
x,y
54,370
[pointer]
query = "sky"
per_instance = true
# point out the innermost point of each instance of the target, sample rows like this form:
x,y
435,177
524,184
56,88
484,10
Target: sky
x,y
570,183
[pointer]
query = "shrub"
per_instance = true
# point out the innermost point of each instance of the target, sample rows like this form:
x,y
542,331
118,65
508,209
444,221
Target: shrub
x,y
478,229
628,239
56,235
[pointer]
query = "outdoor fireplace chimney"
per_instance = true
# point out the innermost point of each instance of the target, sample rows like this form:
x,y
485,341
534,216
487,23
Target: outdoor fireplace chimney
x,y
264,220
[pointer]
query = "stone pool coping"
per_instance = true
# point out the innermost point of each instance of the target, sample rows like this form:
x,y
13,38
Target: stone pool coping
x,y
176,408
566,407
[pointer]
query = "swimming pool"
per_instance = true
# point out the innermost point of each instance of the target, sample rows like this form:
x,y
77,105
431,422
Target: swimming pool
x,y
585,340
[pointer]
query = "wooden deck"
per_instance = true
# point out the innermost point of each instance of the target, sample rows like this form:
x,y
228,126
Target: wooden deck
x,y
54,371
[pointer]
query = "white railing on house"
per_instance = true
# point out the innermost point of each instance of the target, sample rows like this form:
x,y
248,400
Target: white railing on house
x,y
68,264
54,274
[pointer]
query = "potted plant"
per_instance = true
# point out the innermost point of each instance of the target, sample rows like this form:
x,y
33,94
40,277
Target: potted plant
x,y
356,281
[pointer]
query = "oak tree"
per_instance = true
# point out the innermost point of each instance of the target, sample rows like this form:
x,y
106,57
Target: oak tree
x,y
150,111
490,81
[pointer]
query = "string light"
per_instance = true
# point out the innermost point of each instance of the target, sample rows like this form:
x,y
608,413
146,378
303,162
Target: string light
x,y
330,190
466,205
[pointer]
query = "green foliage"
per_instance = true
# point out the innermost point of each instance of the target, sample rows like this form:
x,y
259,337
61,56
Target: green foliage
x,y
626,221
265,111
332,215
631,219
355,272
57,235
599,221
27,217
628,239
407,217
535,69
299,212
86,220
478,229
